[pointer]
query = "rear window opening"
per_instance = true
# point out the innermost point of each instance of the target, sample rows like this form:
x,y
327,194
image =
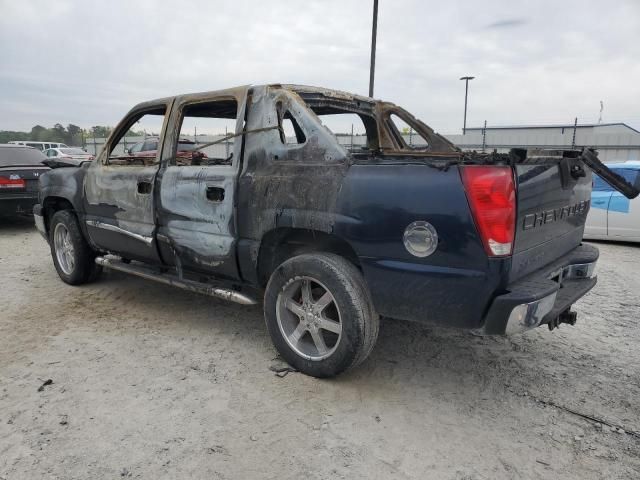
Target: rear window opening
x,y
405,134
351,121
350,130
17,156
290,131
208,123
356,132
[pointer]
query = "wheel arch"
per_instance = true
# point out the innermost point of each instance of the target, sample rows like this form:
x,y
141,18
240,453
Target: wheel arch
x,y
282,243
53,204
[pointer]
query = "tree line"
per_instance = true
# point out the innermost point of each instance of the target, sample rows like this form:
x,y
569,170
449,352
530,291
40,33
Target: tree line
x,y
70,135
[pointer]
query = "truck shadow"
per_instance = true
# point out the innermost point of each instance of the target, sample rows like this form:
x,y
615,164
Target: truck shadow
x,y
16,224
406,353
616,243
412,364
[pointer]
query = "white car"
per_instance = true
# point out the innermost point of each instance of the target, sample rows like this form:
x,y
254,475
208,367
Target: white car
x,y
42,146
68,155
613,216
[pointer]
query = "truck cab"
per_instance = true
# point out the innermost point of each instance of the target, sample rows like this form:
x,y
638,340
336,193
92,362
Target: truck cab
x,y
329,236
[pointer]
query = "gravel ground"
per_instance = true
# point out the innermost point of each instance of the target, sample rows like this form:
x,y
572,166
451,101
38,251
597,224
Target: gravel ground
x,y
151,382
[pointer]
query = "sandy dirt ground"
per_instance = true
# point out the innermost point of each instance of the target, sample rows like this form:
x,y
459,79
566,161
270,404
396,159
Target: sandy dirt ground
x,y
151,382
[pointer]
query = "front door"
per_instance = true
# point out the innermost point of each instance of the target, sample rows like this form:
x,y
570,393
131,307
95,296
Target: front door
x,y
196,230
119,189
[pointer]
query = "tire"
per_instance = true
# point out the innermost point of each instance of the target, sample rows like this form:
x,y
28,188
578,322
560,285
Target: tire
x,y
318,334
72,256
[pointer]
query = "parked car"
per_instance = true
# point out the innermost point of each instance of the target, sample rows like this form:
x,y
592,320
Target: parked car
x,y
331,240
39,145
67,156
613,216
20,168
149,148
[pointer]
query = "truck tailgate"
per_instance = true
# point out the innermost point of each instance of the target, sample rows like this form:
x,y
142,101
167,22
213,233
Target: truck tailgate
x,y
552,206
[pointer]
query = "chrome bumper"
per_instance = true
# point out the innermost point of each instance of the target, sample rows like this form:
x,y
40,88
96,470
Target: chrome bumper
x,y
544,296
526,316
39,221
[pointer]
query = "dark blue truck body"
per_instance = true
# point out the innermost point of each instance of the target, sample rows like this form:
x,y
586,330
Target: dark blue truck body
x,y
236,222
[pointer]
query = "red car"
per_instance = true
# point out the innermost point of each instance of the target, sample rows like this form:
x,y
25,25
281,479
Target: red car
x,y
149,149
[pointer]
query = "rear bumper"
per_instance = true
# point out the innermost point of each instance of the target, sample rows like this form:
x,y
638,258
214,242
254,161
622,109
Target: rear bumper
x,y
17,204
39,220
542,296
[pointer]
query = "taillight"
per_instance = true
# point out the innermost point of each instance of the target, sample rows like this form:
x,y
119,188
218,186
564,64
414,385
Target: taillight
x,y
492,198
11,182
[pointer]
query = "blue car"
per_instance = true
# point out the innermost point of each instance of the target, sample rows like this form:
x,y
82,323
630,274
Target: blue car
x,y
613,216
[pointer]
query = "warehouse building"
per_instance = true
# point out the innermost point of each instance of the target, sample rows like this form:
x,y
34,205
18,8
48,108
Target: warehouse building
x,y
614,141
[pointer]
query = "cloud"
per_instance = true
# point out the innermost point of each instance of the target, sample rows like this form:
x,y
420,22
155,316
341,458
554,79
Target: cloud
x,y
507,23
87,63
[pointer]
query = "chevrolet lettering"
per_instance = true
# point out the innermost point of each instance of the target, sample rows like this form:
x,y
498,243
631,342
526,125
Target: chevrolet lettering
x,y
538,219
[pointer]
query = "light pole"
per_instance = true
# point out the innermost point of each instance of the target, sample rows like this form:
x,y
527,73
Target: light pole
x,y
466,94
374,34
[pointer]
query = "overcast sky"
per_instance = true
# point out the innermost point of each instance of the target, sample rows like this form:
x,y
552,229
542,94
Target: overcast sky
x,y
535,62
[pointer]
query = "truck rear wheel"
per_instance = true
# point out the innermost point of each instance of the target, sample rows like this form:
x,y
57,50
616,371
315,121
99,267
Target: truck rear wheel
x,y
72,256
319,314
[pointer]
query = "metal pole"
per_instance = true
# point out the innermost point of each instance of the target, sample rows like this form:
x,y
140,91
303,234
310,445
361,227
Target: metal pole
x,y
374,34
484,136
573,141
410,135
466,95
352,137
226,143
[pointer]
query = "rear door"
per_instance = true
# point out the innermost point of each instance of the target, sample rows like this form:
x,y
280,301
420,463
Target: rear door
x,y
197,230
551,212
623,215
119,190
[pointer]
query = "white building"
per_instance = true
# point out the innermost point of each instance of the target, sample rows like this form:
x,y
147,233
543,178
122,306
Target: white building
x,y
614,141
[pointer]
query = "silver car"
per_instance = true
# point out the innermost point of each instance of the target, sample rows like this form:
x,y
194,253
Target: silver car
x,y
67,156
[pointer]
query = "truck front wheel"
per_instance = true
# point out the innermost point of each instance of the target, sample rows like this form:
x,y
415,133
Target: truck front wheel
x,y
319,314
72,256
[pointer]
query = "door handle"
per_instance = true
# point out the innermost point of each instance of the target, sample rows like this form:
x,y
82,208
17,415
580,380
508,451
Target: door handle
x,y
144,187
215,194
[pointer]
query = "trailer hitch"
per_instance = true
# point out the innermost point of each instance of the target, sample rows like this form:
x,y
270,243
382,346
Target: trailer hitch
x,y
567,316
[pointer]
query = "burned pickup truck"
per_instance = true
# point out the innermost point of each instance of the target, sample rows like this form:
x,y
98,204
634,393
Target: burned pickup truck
x,y
330,237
